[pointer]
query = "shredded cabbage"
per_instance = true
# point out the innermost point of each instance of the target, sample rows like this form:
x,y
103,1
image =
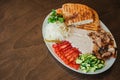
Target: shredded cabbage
x,y
56,31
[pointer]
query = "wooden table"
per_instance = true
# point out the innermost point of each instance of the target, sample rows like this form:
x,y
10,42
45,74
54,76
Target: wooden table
x,y
23,54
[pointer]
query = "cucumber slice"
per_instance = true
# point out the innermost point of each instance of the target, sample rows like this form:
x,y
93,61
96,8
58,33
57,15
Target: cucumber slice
x,y
89,62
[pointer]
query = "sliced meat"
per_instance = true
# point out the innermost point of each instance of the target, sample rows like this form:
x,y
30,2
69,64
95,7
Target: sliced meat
x,y
106,54
95,51
103,44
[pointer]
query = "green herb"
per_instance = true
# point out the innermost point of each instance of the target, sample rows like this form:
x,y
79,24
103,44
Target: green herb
x,y
54,17
89,62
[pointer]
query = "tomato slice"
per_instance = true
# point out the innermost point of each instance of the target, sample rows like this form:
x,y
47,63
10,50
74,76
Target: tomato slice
x,y
76,66
67,53
64,46
71,59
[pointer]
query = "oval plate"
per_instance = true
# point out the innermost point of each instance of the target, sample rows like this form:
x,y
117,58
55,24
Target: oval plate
x,y
108,63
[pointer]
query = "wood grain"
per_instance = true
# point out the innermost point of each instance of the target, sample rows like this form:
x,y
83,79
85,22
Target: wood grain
x,y
23,54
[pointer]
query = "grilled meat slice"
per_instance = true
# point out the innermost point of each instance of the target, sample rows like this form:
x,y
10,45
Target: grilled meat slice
x,y
103,44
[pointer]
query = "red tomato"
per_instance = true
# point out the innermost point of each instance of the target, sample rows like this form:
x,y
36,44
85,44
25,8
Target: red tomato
x,y
67,53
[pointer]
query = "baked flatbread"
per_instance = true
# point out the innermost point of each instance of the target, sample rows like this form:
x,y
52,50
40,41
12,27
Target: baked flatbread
x,y
80,16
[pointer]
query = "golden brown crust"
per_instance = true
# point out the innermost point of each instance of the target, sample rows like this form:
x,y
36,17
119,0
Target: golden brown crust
x,y
78,12
92,26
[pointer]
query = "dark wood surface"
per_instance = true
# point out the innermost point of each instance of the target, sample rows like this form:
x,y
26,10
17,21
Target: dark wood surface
x,y
23,54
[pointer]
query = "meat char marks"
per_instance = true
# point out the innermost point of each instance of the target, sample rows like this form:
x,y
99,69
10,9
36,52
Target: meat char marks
x,y
104,46
80,16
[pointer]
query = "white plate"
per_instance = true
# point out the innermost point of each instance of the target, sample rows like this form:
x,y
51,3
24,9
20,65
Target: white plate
x,y
108,63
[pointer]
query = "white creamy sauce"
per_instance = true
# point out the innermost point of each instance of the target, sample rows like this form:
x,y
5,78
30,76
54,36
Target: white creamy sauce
x,y
80,40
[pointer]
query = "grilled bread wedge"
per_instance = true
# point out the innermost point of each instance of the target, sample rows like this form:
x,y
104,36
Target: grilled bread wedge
x,y
80,16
